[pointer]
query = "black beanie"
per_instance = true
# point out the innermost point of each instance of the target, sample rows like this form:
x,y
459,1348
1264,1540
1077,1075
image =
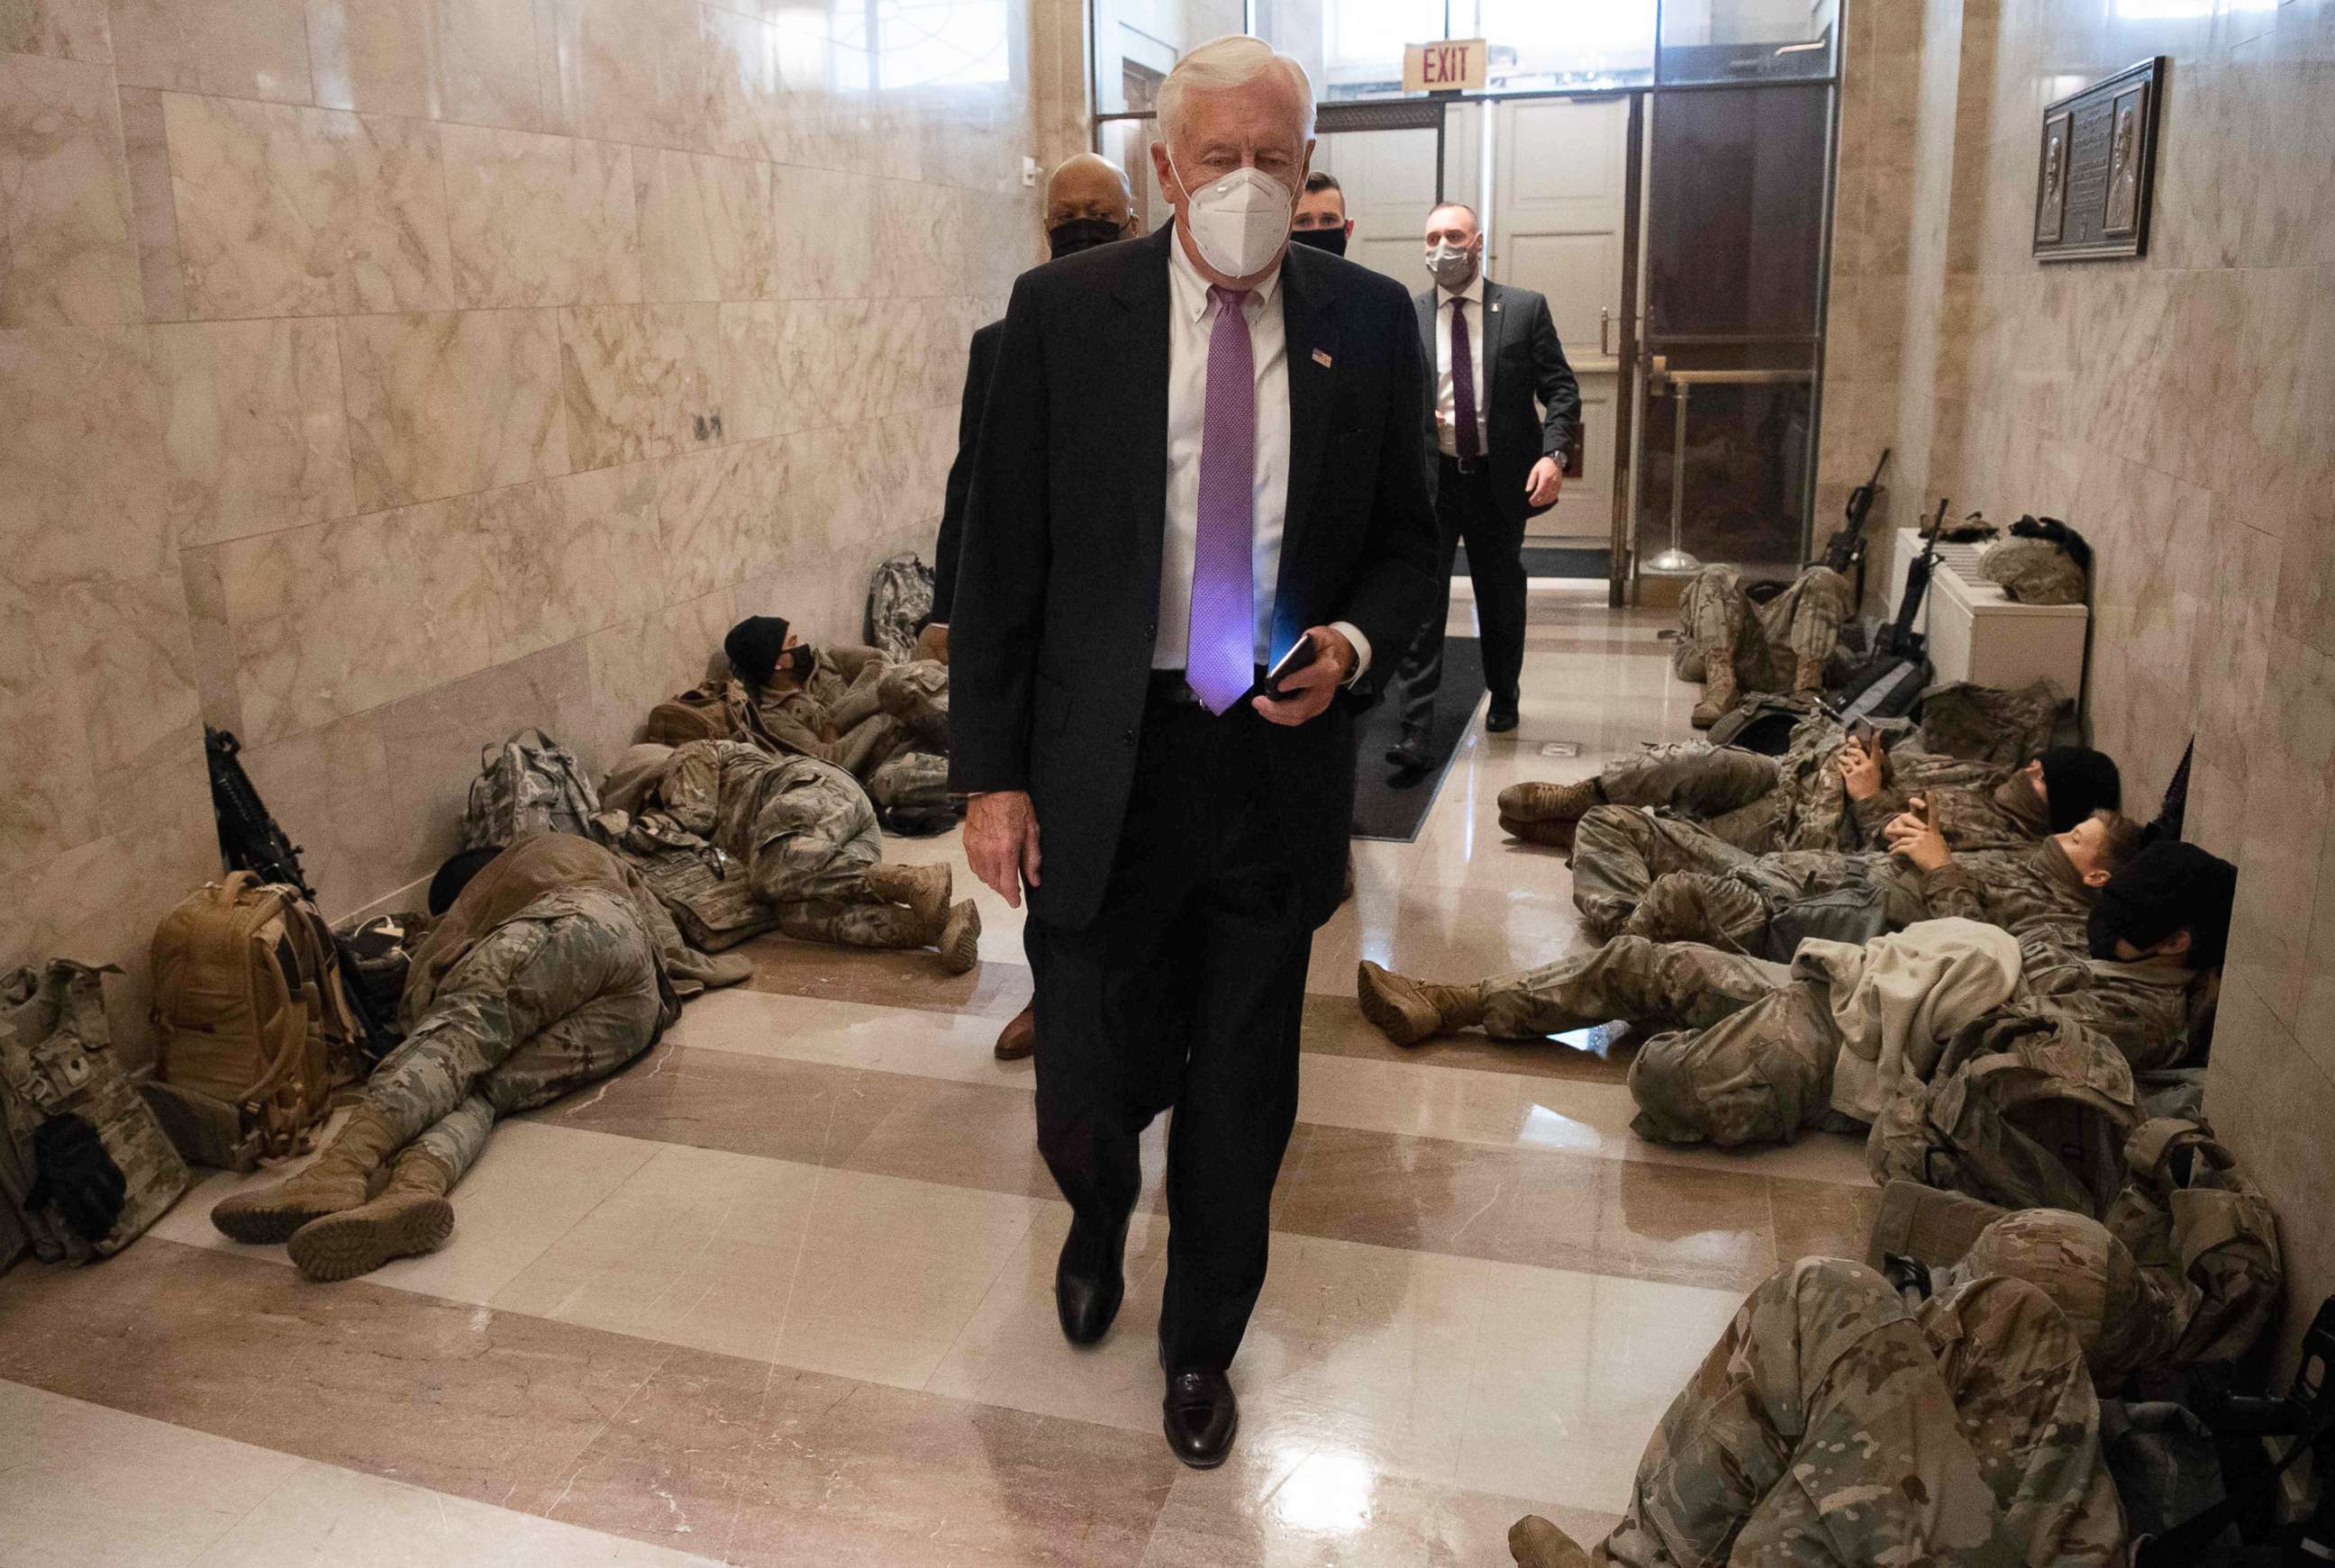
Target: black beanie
x,y
455,876
2079,781
2168,888
754,645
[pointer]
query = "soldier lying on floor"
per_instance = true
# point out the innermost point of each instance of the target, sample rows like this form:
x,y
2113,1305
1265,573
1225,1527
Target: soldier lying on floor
x,y
842,704
1834,1425
548,966
1826,792
1749,1047
806,837
1703,890
1733,646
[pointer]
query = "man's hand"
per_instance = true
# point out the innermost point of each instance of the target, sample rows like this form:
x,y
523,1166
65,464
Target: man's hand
x,y
1001,840
1860,771
1913,840
932,642
1311,689
1545,483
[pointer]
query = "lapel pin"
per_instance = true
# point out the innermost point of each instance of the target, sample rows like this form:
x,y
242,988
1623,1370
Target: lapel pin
x,y
1495,305
1322,358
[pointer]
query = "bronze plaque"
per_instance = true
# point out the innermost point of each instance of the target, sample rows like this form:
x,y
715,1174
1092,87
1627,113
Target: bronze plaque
x,y
2095,166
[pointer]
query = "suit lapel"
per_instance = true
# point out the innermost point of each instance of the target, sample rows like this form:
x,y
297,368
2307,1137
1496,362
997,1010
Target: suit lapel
x,y
1310,332
1138,381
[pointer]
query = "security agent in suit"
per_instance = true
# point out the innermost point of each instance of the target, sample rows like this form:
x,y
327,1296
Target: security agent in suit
x,y
1492,352
1088,203
1198,448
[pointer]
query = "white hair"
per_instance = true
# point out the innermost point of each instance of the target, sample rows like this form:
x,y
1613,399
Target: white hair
x,y
1232,60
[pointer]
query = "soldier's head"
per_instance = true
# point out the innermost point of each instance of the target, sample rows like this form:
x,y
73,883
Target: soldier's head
x,y
2086,1272
455,876
2100,846
761,647
1088,204
2073,782
2170,907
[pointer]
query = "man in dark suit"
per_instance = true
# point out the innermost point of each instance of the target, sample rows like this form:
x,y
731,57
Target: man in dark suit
x,y
1088,203
1199,448
1492,354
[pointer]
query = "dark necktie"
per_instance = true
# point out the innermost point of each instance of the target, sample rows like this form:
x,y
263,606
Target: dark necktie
x,y
1470,441
1220,647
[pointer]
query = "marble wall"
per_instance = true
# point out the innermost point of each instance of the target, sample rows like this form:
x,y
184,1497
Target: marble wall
x,y
382,376
2178,409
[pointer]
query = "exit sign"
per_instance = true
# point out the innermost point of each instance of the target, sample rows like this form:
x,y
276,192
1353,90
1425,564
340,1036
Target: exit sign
x,y
1453,65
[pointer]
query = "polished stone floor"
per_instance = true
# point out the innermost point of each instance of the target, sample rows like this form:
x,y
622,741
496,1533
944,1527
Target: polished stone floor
x,y
781,1292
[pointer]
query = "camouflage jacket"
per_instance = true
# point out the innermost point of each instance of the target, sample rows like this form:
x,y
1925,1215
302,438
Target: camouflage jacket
x,y
1996,809
2034,888
721,789
2144,1009
809,717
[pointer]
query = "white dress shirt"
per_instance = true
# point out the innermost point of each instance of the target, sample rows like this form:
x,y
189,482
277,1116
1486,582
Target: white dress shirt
x,y
1446,420
1191,320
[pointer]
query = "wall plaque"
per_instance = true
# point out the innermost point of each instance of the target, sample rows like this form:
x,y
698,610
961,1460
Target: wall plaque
x,y
2095,166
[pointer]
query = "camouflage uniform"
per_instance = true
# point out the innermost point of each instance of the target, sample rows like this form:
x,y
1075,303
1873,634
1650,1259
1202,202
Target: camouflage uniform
x,y
562,993
2010,888
1989,724
1706,890
1772,644
805,831
2147,1012
1997,810
1832,1426
856,709
1770,1036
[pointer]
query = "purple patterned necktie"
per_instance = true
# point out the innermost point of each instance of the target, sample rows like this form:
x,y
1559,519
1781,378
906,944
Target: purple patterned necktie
x,y
1469,440
1220,649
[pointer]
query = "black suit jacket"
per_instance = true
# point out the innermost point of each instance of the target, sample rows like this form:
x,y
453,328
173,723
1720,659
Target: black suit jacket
x,y
1050,661
978,364
1522,360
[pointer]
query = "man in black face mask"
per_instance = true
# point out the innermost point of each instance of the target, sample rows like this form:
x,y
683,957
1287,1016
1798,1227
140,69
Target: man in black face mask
x,y
1088,204
1322,221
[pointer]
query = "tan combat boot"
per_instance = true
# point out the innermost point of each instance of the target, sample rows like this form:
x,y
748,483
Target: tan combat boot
x,y
410,1216
1534,1542
923,889
1718,693
1408,1011
337,1179
1555,832
1542,802
959,937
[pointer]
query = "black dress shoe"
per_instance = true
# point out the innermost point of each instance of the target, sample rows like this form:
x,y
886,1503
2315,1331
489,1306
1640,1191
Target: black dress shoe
x,y
1502,718
1088,1282
1410,754
1199,1415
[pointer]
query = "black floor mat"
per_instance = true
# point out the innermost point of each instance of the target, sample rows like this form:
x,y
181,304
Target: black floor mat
x,y
1552,561
1394,810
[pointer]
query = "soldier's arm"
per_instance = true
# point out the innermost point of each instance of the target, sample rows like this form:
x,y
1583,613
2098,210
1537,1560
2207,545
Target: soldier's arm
x,y
1952,891
1873,813
795,736
692,787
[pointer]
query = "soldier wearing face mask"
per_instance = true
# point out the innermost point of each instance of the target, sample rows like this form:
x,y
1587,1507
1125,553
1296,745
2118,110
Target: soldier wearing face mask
x,y
1503,408
1088,203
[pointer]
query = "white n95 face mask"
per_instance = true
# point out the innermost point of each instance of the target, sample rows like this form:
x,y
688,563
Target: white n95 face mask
x,y
1240,221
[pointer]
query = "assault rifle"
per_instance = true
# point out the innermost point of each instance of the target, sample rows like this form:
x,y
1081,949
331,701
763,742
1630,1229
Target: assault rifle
x,y
1845,549
249,839
1901,639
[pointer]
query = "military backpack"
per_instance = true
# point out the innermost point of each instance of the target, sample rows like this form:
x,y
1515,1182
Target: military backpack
x,y
899,603
253,1025
528,784
2189,1212
82,1160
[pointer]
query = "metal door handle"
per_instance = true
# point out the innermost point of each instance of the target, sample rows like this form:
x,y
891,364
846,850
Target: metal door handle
x,y
1604,321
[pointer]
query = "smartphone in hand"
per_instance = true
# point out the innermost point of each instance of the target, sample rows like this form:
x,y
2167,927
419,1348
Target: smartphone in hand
x,y
1300,654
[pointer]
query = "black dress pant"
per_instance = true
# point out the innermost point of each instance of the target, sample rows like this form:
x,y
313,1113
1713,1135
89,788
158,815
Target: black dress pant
x,y
1186,992
1466,509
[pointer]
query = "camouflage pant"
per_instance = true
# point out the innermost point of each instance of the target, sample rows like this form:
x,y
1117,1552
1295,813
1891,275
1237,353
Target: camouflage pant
x,y
814,844
1767,642
1748,1050
1735,793
889,709
1734,908
918,694
1831,1426
1618,851
538,1007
